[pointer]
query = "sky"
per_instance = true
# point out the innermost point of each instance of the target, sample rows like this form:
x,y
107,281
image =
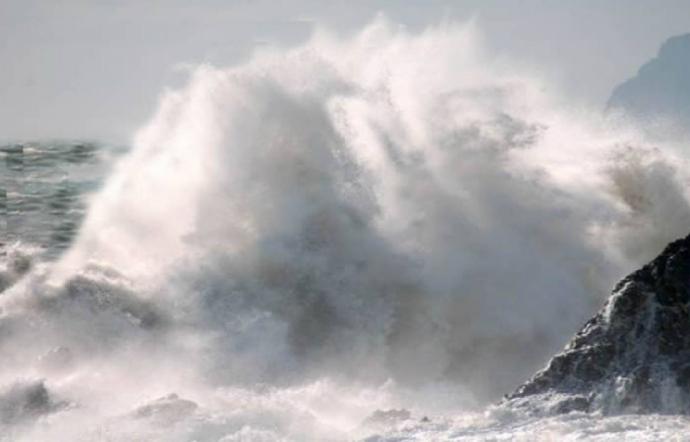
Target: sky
x,y
96,69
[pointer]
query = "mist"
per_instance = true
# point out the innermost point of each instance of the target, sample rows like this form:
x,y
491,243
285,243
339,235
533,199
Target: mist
x,y
387,219
317,214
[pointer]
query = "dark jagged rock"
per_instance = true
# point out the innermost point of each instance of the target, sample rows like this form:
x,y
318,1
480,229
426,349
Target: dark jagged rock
x,y
631,357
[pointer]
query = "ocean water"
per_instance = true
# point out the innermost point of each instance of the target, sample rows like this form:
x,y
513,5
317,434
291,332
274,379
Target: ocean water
x,y
363,238
45,187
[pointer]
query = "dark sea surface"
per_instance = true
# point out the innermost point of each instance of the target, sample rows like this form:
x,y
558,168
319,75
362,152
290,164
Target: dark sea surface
x,y
44,188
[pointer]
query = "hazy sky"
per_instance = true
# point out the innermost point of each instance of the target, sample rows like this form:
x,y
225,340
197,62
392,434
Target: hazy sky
x,y
78,68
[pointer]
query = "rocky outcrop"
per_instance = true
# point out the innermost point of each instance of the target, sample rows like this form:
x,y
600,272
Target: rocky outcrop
x,y
661,88
631,357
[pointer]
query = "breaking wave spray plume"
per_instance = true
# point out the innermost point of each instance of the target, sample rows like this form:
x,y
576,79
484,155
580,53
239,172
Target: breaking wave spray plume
x,y
387,220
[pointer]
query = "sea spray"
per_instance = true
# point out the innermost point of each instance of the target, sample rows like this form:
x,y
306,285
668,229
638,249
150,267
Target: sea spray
x,y
389,210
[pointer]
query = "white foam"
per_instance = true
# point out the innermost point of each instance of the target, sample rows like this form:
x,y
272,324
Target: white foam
x,y
387,206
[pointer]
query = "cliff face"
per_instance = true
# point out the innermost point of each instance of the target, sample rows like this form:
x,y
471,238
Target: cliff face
x,y
661,88
631,357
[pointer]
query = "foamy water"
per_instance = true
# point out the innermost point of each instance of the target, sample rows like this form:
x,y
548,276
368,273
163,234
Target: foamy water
x,y
391,221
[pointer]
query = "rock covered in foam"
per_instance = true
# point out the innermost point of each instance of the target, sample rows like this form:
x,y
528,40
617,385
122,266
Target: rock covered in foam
x,y
25,401
632,356
167,409
15,262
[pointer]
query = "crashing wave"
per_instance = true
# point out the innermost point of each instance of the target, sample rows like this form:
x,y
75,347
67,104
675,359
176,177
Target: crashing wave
x,y
390,221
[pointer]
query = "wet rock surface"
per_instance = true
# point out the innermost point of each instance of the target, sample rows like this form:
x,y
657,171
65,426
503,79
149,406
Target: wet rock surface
x,y
633,356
